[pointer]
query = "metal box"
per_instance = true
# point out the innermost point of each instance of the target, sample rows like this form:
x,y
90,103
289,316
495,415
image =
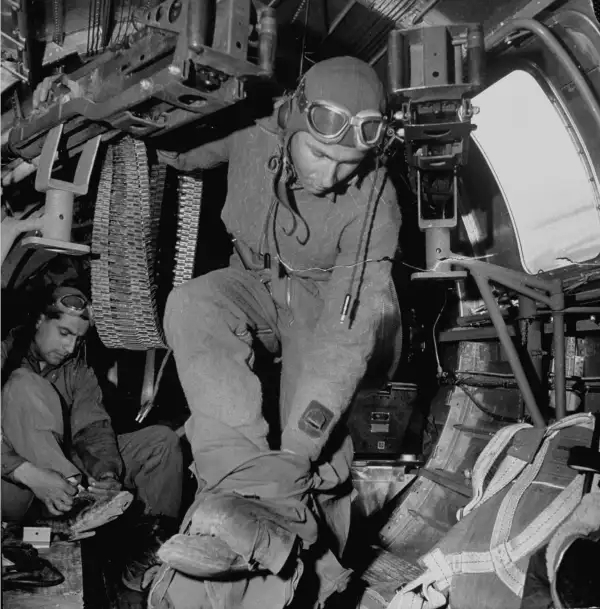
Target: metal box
x,y
378,419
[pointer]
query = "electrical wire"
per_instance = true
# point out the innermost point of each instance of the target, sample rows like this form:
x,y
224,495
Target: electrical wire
x,y
570,260
298,11
411,266
503,375
335,266
364,239
484,409
440,370
306,12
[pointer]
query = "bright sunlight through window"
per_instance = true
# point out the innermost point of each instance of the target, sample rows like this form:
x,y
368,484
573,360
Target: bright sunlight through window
x,y
552,203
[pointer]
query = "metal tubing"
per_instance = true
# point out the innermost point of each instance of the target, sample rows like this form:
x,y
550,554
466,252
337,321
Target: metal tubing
x,y
560,384
14,41
475,54
575,311
507,278
267,40
379,55
511,352
437,248
58,215
520,287
339,18
532,328
492,271
14,73
546,36
396,61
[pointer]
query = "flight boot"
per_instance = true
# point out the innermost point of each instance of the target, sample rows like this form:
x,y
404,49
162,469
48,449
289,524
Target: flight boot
x,y
230,533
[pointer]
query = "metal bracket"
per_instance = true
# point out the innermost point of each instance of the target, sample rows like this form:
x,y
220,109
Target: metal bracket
x,y
60,195
548,292
81,183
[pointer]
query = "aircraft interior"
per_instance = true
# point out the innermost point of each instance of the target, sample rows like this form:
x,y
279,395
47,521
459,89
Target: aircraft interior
x,y
475,475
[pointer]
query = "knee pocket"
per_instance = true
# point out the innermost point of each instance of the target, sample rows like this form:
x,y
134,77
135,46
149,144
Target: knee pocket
x,y
163,436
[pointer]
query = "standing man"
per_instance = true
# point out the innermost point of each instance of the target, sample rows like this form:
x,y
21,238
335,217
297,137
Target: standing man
x,y
55,430
315,222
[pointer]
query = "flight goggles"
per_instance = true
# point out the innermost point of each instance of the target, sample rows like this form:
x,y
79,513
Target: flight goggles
x,y
329,123
73,303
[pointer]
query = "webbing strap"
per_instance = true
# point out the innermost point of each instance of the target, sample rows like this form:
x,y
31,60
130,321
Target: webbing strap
x,y
430,585
508,507
427,591
536,534
485,461
509,572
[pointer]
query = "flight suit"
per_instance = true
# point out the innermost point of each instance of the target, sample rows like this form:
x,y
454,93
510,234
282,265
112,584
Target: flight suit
x,y
292,271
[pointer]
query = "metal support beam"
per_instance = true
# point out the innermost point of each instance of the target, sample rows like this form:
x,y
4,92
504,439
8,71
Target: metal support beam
x,y
530,328
540,290
560,386
510,350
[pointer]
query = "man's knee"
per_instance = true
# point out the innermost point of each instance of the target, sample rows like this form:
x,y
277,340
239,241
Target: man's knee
x,y
24,385
193,299
28,396
164,440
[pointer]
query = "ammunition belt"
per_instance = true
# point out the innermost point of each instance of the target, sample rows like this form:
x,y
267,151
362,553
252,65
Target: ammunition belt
x,y
190,198
125,244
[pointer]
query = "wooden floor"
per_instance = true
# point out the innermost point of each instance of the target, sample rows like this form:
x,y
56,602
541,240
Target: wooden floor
x,y
66,557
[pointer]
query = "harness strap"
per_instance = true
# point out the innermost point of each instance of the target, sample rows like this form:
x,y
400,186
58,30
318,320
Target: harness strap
x,y
428,591
486,460
507,571
429,585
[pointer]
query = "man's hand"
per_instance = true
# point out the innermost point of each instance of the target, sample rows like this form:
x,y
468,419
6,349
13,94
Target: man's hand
x,y
15,226
105,486
48,486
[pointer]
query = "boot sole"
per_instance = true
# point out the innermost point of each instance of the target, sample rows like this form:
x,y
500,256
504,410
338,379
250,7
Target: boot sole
x,y
202,556
101,513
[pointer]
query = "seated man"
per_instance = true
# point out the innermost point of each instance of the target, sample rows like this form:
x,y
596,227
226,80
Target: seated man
x,y
55,430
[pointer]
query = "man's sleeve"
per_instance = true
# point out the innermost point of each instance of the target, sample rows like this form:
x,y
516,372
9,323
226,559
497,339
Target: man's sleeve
x,y
3,354
94,439
10,459
206,156
337,358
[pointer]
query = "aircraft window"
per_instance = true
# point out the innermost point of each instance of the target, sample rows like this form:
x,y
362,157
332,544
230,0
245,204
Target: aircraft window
x,y
543,177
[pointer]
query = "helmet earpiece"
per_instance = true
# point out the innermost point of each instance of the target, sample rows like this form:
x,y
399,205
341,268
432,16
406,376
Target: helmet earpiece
x,y
284,113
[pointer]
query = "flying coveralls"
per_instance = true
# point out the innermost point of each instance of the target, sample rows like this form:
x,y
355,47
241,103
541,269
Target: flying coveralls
x,y
54,418
295,263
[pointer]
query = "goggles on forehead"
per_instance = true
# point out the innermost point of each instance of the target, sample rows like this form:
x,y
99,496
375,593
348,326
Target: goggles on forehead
x,y
74,304
329,123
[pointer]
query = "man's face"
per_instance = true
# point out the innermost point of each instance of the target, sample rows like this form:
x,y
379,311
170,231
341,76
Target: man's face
x,y
56,339
320,167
